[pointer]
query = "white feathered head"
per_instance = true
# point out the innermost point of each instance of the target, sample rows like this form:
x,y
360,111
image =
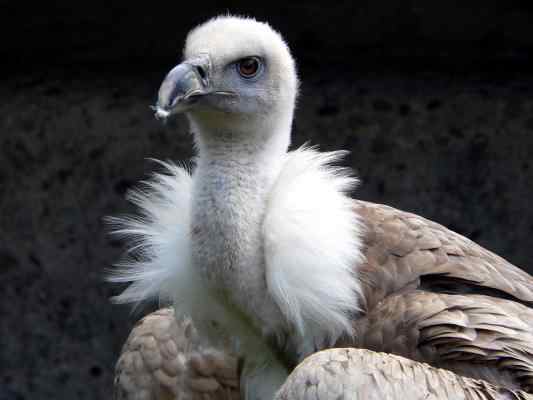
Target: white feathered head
x,y
233,68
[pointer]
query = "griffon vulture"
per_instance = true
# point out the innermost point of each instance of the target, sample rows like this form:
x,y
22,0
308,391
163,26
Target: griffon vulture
x,y
268,254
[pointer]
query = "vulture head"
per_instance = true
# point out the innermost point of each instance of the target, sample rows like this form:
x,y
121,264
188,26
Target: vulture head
x,y
235,71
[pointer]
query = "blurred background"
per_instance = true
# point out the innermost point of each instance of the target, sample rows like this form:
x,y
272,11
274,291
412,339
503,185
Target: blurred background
x,y
434,99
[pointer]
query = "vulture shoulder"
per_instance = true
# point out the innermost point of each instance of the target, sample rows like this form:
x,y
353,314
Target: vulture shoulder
x,y
432,295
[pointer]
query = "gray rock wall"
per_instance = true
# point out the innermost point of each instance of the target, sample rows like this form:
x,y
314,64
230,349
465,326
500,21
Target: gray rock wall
x,y
454,145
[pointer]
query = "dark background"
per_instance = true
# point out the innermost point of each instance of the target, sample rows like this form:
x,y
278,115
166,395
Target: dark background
x,y
434,99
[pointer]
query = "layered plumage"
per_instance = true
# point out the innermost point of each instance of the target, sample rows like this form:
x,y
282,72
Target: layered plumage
x,y
434,296
362,374
164,359
264,249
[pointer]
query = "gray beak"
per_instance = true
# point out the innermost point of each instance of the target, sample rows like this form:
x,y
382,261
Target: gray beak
x,y
182,87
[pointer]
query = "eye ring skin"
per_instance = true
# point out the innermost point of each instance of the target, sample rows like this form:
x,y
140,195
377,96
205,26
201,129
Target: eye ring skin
x,y
249,67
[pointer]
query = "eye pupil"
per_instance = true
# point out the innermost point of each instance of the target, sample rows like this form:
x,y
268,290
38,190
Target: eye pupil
x,y
248,67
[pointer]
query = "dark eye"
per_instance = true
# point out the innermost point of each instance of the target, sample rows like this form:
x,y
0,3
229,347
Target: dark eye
x,y
248,67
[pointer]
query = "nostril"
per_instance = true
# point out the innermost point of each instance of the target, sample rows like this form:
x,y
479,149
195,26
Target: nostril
x,y
201,72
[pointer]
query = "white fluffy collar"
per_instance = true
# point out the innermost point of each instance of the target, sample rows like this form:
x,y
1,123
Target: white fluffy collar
x,y
312,248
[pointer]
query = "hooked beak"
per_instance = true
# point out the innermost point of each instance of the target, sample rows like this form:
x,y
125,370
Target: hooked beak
x,y
182,87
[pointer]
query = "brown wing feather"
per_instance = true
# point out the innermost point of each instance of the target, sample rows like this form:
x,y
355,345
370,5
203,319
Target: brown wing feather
x,y
364,374
435,296
478,336
162,359
402,249
336,373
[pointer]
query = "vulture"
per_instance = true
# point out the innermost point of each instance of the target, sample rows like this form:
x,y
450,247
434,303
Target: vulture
x,y
274,261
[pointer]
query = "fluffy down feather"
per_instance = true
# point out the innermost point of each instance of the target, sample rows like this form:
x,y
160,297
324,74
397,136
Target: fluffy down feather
x,y
158,238
312,243
159,263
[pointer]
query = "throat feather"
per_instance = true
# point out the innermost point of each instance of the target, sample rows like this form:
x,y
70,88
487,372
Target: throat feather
x,y
230,198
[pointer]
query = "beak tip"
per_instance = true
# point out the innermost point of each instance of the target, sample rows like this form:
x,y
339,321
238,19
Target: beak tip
x,y
180,88
160,113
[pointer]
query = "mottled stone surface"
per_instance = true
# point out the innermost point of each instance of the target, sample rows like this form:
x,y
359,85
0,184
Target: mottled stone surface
x,y
454,146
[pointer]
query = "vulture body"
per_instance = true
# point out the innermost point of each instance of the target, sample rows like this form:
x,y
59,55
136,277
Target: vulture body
x,y
164,359
264,249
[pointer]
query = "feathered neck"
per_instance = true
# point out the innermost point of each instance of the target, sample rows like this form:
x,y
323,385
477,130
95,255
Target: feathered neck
x,y
247,221
236,170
